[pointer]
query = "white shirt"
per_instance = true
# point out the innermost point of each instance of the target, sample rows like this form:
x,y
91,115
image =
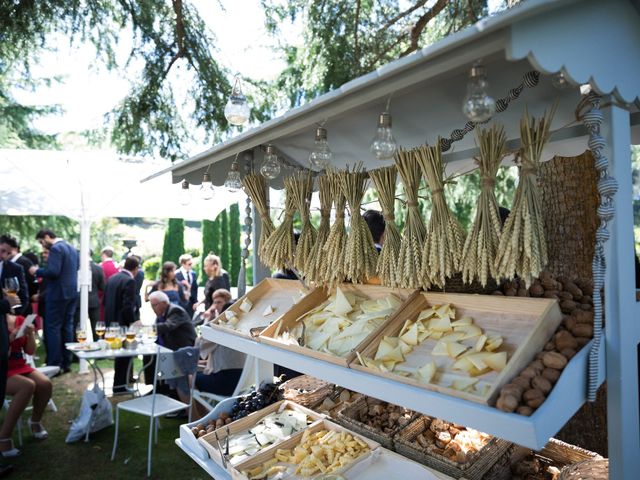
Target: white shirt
x,y
186,274
1,264
16,257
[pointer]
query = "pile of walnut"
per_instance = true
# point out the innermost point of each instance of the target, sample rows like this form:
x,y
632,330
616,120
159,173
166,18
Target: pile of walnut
x,y
529,390
383,416
201,429
453,441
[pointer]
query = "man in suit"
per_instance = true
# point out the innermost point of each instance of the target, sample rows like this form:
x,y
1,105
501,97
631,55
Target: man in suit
x,y
173,323
120,307
189,279
61,273
8,269
16,256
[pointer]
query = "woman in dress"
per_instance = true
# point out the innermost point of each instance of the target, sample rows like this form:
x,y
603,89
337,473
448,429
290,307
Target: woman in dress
x,y
218,278
169,285
23,384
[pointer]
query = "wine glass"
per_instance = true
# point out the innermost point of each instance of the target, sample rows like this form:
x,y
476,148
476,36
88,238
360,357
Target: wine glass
x,y
152,333
81,335
100,329
12,285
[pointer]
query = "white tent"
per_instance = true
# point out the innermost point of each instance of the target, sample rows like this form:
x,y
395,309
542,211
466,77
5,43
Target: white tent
x,y
87,186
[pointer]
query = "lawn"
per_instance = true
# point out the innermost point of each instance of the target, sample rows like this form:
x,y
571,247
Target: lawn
x,y
53,459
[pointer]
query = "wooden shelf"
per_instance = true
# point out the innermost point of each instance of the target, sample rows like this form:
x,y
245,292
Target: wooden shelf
x,y
533,432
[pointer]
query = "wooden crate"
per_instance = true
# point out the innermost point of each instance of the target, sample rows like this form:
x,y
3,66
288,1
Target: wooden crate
x,y
525,325
280,294
291,443
209,442
318,296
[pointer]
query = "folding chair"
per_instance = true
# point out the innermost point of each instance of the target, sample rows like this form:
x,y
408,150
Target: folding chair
x,y
48,371
155,405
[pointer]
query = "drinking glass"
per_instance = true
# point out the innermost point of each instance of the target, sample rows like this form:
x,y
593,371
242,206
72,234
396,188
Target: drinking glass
x,y
131,334
12,285
152,333
100,329
81,335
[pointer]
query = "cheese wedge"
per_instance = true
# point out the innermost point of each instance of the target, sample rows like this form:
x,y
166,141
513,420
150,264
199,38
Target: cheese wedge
x,y
440,349
464,383
493,343
440,324
469,331
454,348
405,348
410,337
480,343
452,337
246,305
496,361
426,373
340,305
462,321
267,311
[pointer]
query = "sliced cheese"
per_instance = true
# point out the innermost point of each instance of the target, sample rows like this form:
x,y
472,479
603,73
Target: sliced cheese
x,y
267,311
246,305
469,331
452,337
440,324
454,349
410,337
340,304
496,361
463,384
426,373
463,321
405,348
480,343
440,349
493,343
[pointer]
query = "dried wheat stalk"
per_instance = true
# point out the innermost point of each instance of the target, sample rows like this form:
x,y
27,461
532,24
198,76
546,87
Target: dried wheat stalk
x,y
443,246
385,180
360,255
302,189
481,247
316,254
331,271
413,236
279,247
523,248
256,188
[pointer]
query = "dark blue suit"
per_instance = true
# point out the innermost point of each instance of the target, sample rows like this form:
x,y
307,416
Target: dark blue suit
x,y
60,302
10,269
193,294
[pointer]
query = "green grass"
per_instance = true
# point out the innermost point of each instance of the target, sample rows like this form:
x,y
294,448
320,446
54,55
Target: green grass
x,y
53,459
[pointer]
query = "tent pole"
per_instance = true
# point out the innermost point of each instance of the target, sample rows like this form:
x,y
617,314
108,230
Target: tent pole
x,y
85,283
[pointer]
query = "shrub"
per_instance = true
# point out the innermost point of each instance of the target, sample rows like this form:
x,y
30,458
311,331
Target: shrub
x,y
151,268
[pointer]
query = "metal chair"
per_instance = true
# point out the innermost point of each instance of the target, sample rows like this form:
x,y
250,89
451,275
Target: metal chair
x,y
247,378
155,405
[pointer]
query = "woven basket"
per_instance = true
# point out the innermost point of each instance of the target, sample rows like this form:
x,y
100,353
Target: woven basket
x,y
493,458
594,469
564,453
305,390
347,417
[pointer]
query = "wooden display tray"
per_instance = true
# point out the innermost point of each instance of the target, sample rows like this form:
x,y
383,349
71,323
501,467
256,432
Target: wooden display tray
x,y
315,298
292,442
279,293
208,441
525,325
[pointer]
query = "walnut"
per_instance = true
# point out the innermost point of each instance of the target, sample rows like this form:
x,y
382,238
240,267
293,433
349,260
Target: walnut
x,y
533,397
551,374
542,384
565,340
554,360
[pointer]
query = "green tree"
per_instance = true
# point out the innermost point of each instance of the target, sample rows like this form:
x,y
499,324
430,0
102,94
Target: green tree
x,y
225,254
235,250
173,245
209,243
25,227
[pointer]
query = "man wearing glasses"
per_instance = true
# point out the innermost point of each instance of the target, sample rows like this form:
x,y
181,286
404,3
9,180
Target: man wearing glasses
x,y
189,279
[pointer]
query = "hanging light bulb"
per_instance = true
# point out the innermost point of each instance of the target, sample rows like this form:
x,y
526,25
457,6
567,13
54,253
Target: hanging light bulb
x,y
185,194
478,106
206,189
321,154
237,109
559,81
270,168
383,145
233,183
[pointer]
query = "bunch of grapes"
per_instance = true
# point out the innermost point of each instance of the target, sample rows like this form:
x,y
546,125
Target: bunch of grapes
x,y
254,401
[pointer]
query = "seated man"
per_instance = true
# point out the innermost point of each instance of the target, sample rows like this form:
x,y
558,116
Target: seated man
x,y
173,323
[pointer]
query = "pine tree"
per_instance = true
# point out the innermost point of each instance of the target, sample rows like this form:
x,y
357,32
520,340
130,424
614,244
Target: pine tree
x,y
209,243
225,256
173,241
234,239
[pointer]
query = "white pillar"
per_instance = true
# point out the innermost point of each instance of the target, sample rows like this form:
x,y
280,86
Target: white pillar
x,y
84,283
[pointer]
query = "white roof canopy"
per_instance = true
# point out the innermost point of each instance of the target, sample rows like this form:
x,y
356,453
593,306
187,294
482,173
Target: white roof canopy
x,y
91,185
427,88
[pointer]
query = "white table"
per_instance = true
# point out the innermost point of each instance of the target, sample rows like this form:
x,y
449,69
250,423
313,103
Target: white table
x,y
92,357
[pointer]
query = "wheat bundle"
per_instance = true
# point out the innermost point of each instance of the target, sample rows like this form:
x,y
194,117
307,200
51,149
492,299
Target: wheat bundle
x,y
302,189
360,255
413,235
316,254
279,247
385,180
523,248
331,271
443,246
481,247
255,186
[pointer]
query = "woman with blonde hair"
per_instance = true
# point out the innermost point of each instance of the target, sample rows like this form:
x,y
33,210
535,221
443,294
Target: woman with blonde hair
x,y
218,278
